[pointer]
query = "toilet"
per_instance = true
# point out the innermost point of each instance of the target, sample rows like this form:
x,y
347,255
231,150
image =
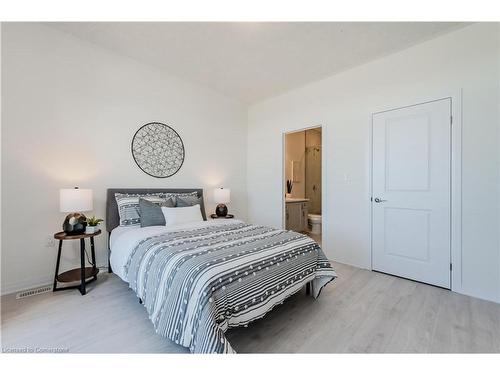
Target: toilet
x,y
314,223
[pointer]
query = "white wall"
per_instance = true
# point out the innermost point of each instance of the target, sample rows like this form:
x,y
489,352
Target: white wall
x,y
70,110
467,59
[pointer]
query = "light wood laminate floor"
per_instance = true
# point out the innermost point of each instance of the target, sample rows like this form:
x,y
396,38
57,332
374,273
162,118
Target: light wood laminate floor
x,y
360,312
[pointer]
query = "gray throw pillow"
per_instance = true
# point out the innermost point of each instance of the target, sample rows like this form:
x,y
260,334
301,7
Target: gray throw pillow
x,y
128,206
188,201
168,202
175,196
150,212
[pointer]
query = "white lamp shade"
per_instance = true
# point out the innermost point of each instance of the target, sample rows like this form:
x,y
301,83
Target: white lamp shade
x,y
75,200
222,195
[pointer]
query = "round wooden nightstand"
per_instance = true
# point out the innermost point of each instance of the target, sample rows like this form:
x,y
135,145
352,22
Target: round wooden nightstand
x,y
78,274
228,216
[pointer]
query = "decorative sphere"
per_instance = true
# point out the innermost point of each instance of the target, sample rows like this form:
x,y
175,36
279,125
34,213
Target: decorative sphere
x,y
75,223
221,210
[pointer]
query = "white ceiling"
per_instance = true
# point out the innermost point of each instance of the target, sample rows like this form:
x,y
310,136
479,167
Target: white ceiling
x,y
254,61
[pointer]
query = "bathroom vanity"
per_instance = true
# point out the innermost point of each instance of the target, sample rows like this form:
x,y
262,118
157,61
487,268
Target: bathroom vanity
x,y
296,210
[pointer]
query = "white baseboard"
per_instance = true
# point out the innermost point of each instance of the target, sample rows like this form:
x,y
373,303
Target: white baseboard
x,y
9,288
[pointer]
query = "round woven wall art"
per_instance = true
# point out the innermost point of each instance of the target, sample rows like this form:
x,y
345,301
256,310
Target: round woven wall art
x,y
158,150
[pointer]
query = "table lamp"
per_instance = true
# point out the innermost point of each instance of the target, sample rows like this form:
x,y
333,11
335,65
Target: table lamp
x,y
221,196
75,201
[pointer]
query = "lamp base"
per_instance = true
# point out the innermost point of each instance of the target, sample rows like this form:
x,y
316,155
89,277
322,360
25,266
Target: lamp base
x,y
221,210
74,223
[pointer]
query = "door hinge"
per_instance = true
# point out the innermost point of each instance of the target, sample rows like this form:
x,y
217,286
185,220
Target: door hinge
x,y
451,267
451,120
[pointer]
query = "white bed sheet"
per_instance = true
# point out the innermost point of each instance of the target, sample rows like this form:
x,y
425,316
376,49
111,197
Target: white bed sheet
x,y
124,239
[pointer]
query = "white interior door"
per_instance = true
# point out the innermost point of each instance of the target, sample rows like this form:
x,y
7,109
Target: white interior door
x,y
411,192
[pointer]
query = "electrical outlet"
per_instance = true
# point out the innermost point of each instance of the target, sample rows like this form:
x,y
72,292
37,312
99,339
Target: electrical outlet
x,y
50,242
347,178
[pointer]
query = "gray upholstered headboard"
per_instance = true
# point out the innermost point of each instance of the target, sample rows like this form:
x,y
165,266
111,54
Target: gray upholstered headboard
x,y
112,217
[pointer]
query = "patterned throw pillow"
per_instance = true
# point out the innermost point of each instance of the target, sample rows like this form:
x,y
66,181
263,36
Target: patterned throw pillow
x,y
168,202
174,196
128,206
187,201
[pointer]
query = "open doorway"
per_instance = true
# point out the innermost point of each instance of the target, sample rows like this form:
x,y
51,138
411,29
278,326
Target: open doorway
x,y
302,181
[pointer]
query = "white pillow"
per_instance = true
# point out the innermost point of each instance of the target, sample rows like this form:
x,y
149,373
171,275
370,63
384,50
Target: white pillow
x,y
181,215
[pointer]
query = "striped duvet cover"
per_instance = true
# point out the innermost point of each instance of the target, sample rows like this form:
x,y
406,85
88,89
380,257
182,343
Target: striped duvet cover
x,y
196,283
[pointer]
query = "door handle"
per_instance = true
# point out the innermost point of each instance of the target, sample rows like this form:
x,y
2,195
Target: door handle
x,y
378,200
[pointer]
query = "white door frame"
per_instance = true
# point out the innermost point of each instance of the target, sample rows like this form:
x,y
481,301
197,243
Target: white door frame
x,y
323,179
455,97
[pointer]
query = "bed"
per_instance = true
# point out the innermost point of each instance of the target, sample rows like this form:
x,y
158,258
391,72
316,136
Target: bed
x,y
196,280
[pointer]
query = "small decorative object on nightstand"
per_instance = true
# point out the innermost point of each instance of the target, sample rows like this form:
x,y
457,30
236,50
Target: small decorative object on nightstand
x,y
75,201
78,274
92,224
221,196
289,187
